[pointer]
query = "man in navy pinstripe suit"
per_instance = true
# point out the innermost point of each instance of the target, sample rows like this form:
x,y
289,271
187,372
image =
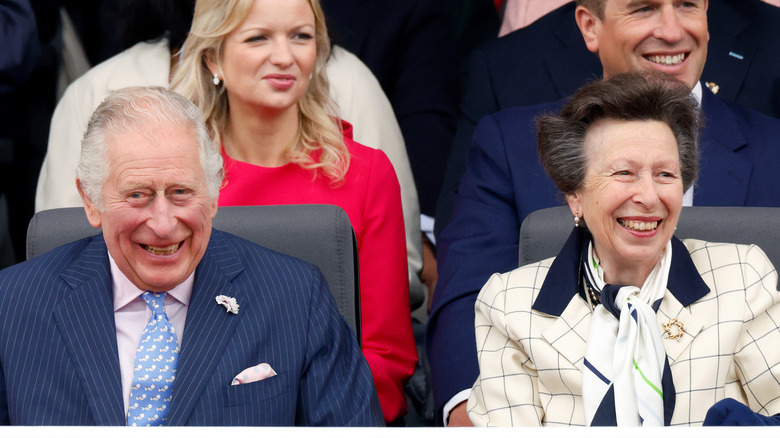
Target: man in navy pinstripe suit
x,y
71,319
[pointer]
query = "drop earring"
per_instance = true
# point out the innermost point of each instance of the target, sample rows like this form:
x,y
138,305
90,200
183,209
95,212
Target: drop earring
x,y
576,219
216,80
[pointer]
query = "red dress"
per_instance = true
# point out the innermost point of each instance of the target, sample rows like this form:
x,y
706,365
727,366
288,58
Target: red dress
x,y
371,197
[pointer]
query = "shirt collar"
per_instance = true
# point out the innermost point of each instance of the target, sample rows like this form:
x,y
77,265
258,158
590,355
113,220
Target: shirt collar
x,y
562,280
688,195
125,291
697,92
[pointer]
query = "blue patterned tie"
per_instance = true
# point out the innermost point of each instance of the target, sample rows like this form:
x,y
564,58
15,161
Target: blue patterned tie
x,y
155,367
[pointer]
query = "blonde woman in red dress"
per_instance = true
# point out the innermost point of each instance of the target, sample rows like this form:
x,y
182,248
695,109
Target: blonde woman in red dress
x,y
256,69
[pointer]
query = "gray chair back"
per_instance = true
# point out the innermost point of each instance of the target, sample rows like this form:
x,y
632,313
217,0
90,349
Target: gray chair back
x,y
544,232
319,234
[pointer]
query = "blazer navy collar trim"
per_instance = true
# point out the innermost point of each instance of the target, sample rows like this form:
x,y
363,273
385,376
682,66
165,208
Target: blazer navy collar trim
x,y
562,281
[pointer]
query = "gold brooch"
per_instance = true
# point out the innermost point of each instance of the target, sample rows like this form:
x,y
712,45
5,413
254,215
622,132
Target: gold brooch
x,y
678,330
713,87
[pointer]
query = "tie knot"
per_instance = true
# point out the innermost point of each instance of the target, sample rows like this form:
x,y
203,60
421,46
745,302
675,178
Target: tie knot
x,y
614,297
155,301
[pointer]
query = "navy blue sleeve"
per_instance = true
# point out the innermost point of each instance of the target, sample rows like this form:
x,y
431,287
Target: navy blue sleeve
x,y
503,182
337,388
481,239
478,101
4,418
425,96
19,39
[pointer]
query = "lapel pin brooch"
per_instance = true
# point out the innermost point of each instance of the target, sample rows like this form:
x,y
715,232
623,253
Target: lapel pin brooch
x,y
673,329
229,302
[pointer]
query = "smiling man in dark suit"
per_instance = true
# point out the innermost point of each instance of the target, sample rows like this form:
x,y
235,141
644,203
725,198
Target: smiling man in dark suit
x,y
161,320
504,180
549,60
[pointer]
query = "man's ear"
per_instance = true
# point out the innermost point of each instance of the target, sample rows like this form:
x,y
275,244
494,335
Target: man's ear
x,y
590,27
93,213
214,207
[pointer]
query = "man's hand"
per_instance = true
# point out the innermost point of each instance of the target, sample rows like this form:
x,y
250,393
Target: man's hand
x,y
459,417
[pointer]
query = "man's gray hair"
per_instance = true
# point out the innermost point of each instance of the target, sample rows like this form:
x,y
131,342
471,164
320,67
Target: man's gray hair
x,y
134,108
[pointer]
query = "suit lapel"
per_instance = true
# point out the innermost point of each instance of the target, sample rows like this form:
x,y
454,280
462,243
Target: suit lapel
x,y
569,333
724,175
572,51
684,287
209,327
736,46
85,318
671,309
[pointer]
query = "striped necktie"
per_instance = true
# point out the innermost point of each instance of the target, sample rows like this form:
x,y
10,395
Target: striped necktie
x,y
155,367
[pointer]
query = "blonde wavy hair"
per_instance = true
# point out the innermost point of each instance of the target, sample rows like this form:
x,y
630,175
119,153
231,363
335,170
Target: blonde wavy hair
x,y
318,124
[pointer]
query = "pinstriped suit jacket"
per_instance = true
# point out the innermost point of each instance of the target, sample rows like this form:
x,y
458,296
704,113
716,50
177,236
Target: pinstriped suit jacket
x,y
58,353
532,328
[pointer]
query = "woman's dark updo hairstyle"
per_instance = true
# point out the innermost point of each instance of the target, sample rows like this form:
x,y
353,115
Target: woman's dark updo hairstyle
x,y
645,95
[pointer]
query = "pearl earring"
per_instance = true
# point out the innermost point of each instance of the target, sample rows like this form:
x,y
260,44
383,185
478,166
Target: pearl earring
x,y
577,218
216,80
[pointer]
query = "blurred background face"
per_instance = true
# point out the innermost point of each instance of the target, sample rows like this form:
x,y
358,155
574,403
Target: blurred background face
x,y
156,215
665,35
266,61
632,194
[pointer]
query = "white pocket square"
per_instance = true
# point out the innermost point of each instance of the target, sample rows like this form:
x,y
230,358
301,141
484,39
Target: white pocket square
x,y
254,374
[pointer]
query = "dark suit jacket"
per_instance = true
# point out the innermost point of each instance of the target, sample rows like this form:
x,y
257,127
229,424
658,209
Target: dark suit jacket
x,y
58,351
744,53
505,181
548,60
408,46
20,43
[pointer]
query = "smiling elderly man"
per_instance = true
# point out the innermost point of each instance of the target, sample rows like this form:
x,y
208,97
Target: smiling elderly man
x,y
128,327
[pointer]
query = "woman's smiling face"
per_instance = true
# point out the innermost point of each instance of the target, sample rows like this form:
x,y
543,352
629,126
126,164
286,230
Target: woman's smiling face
x,y
632,193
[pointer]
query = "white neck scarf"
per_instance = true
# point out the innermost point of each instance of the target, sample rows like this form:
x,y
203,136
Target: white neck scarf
x,y
627,354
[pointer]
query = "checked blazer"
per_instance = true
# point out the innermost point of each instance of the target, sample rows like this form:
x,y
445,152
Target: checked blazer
x,y
58,350
532,327
505,182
